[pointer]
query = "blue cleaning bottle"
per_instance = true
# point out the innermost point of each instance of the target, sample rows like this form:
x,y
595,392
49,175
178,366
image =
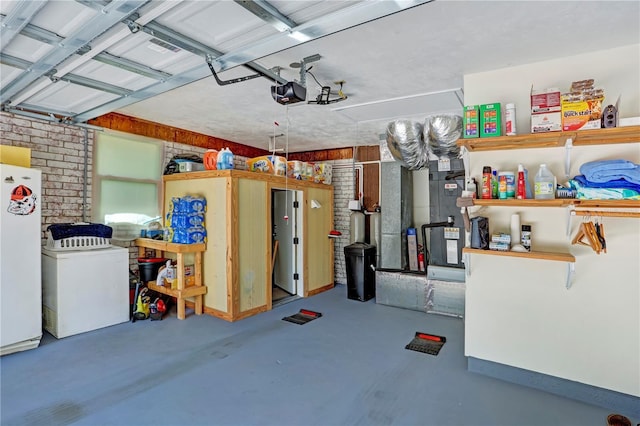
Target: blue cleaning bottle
x,y
225,159
527,185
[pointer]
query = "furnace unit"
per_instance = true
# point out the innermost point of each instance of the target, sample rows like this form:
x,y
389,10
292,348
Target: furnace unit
x,y
446,182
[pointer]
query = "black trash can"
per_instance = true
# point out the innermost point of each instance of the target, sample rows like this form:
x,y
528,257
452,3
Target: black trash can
x,y
361,277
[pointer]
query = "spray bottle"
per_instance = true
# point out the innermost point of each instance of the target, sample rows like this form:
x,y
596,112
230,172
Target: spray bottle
x,y
487,185
521,192
494,184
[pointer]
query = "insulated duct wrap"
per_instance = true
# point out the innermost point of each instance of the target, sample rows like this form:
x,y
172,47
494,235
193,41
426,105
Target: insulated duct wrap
x,y
441,133
406,143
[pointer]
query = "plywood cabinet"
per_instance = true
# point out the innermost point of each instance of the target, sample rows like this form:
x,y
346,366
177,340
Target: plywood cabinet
x,y
237,262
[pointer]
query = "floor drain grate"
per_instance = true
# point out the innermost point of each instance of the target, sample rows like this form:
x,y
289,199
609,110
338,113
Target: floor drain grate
x,y
426,343
302,317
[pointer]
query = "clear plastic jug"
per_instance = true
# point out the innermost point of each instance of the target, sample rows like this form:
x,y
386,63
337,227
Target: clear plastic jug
x,y
544,188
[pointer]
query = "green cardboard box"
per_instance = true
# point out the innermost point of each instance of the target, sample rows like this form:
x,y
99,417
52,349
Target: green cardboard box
x,y
471,121
490,120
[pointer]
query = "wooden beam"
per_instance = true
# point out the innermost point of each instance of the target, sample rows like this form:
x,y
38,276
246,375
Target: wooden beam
x,y
323,155
138,126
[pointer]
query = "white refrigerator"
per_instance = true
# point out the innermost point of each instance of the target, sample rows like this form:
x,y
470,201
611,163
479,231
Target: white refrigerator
x,y
20,270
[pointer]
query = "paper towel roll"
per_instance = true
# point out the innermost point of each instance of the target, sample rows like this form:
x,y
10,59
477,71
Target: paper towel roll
x,y
515,229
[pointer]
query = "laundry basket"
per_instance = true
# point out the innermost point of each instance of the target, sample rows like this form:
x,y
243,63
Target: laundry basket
x,y
78,236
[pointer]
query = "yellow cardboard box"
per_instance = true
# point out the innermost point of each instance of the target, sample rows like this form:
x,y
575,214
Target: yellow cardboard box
x,y
15,155
581,115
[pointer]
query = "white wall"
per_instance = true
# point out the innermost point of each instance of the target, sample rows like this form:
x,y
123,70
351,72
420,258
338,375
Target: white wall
x,y
519,312
615,70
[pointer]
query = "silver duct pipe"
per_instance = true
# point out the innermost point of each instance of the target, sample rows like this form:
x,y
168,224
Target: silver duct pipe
x,y
405,140
411,143
441,133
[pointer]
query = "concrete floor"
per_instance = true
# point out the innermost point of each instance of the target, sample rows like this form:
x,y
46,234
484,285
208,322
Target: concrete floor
x,y
348,367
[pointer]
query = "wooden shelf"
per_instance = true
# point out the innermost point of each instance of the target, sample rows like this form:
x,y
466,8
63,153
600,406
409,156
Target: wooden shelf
x,y
560,202
188,291
560,257
182,291
169,247
616,135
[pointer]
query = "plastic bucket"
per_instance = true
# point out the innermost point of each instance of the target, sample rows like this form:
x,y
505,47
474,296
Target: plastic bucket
x,y
149,267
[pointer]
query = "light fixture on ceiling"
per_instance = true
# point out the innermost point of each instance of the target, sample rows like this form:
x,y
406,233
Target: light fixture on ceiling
x,y
300,36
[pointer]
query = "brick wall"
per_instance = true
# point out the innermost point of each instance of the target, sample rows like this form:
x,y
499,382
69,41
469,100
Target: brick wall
x,y
57,150
343,182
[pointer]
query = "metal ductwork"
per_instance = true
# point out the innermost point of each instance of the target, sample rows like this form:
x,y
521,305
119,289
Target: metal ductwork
x,y
396,189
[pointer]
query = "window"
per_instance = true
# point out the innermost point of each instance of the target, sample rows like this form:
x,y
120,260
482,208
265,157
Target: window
x,y
127,177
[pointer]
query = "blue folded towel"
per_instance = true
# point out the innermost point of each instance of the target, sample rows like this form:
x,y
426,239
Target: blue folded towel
x,y
608,170
67,230
617,183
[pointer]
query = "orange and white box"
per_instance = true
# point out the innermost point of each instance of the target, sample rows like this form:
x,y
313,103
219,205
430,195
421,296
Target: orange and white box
x,y
307,173
581,115
279,165
322,173
294,169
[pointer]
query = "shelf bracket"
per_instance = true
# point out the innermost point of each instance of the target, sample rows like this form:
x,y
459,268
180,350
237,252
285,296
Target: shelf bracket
x,y
467,264
571,270
568,144
571,212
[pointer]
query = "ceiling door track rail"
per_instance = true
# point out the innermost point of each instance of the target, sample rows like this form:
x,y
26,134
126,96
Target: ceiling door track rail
x,y
112,14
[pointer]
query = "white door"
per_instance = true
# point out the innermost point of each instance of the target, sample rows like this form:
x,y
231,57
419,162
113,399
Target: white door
x,y
284,232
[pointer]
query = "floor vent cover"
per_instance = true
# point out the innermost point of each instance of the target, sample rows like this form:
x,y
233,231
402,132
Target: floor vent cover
x,y
303,317
426,343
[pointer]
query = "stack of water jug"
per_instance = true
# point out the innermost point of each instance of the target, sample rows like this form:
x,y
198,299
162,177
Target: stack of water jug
x,y
185,220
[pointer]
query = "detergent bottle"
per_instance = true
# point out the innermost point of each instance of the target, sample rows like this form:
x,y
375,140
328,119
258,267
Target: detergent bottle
x,y
221,161
544,184
229,159
211,159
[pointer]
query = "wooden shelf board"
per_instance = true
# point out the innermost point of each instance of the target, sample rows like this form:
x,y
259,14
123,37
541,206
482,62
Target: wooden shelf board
x,y
245,174
616,135
560,202
169,247
618,204
561,257
186,292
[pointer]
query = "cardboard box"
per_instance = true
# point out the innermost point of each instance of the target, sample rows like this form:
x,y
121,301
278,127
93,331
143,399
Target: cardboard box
x,y
189,275
471,121
501,238
499,246
581,115
490,120
15,155
549,122
545,101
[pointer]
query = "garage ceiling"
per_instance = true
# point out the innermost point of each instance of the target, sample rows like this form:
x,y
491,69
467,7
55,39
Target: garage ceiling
x,y
76,60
